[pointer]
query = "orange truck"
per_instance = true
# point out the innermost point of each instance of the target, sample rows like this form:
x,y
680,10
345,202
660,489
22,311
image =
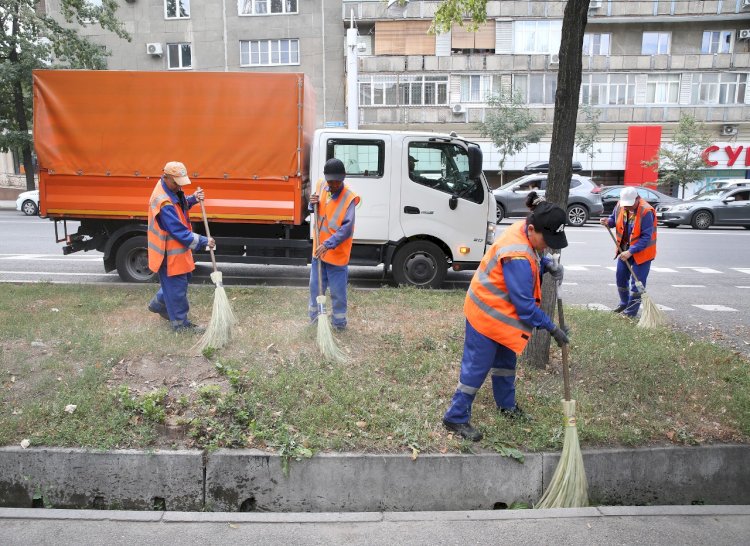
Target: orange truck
x,y
249,139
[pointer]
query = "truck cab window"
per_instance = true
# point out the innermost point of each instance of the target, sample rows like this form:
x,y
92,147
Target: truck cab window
x,y
444,167
362,158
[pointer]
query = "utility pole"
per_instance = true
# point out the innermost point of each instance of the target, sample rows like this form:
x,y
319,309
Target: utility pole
x,y
352,68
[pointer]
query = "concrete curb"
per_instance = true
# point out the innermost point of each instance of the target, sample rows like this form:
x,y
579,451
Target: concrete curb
x,y
254,481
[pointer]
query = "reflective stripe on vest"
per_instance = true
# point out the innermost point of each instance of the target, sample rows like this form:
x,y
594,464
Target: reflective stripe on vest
x,y
161,243
331,213
487,306
649,252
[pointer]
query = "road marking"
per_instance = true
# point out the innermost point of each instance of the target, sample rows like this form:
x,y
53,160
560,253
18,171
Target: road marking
x,y
664,307
742,286
55,273
742,269
664,270
593,306
701,269
612,268
53,259
714,307
570,284
688,286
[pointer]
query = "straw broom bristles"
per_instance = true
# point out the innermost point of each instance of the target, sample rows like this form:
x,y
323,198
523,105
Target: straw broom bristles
x,y
219,330
568,487
651,315
326,342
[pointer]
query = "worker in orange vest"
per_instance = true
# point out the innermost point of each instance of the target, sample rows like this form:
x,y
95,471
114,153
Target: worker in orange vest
x,y
170,244
635,223
502,309
335,204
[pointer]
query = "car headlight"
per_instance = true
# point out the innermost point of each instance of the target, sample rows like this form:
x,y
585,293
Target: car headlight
x,y
681,208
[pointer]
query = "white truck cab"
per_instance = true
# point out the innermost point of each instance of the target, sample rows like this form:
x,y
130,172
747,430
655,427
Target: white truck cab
x,y
425,204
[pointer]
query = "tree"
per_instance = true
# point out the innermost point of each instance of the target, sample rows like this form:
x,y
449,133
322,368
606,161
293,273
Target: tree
x,y
587,135
510,126
681,163
32,40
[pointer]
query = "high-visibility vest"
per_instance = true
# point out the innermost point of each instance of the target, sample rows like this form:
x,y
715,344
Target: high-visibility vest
x,y
648,253
331,212
161,243
487,306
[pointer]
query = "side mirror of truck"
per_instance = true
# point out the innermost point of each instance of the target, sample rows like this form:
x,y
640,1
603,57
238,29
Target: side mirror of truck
x,y
475,162
453,201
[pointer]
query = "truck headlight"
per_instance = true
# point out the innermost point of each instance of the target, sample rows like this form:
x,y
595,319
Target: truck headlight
x,y
490,233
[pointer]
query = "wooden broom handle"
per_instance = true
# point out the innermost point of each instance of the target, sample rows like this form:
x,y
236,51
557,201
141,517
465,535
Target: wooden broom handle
x,y
208,231
564,348
619,250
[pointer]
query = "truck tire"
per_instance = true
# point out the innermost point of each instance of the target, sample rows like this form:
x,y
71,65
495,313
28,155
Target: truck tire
x,y
577,215
420,263
132,261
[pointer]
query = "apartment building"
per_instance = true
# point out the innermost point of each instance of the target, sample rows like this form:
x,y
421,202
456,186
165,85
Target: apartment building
x,y
645,63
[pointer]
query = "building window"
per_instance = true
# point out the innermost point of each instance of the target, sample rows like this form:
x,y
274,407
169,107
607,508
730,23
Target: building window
x,y
655,43
266,7
717,41
480,41
536,88
719,88
538,36
479,88
596,44
663,88
177,9
608,89
179,56
269,52
403,90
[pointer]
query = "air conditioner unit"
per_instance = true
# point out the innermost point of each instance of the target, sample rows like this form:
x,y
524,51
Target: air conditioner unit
x,y
458,108
744,34
154,49
728,130
595,4
554,59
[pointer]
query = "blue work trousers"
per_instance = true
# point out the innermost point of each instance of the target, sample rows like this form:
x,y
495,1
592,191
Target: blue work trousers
x,y
334,278
172,296
629,295
483,355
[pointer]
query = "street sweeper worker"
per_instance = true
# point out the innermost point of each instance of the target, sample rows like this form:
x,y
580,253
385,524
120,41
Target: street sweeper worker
x,y
635,223
334,204
170,244
502,309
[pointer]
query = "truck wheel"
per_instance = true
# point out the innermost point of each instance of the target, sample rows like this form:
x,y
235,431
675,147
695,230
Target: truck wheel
x,y
577,215
702,220
421,264
132,261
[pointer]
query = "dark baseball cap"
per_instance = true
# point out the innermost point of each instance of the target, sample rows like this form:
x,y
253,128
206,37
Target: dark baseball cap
x,y
334,170
550,220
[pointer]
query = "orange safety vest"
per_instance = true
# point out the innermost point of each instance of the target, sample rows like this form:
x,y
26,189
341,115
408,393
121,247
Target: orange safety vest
x,y
331,213
648,253
161,243
487,306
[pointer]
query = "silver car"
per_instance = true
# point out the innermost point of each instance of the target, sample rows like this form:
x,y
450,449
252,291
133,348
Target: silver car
x,y
713,208
584,201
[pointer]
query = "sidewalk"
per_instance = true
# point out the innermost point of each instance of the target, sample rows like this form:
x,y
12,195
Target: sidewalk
x,y
11,205
663,525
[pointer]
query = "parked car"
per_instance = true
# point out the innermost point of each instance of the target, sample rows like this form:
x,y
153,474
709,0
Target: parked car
x,y
611,195
28,202
584,201
724,184
715,208
543,167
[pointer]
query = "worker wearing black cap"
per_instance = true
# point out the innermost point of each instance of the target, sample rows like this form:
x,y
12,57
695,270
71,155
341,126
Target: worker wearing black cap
x,y
335,218
502,309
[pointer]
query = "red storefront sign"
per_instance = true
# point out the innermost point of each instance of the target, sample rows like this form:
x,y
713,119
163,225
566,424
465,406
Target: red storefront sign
x,y
714,156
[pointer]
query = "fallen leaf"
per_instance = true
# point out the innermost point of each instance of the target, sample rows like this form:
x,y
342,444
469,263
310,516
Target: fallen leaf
x,y
234,526
25,443
362,424
70,408
55,310
414,453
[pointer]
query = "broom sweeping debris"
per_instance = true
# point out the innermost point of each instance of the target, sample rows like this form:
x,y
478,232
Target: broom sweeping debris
x,y
568,488
651,316
219,330
326,342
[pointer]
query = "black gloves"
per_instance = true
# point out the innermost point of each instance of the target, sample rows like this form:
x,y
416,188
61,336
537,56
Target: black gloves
x,y
560,335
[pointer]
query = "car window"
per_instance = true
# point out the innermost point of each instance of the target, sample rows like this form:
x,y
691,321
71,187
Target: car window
x,y
531,184
443,167
647,195
612,193
574,183
741,196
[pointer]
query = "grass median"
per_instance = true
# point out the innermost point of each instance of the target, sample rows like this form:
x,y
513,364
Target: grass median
x,y
134,383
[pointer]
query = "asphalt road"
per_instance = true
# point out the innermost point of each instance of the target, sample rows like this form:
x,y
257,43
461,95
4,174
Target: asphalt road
x,y
701,279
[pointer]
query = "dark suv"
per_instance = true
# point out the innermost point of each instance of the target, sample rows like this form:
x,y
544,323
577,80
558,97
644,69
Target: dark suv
x,y
584,201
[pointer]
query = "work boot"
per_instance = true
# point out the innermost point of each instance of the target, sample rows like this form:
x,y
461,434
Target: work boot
x,y
161,312
465,430
189,328
620,308
515,413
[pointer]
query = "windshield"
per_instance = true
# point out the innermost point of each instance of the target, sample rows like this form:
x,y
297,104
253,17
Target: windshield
x,y
514,181
708,196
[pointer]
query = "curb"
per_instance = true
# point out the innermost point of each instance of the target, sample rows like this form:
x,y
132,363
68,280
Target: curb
x,y
254,481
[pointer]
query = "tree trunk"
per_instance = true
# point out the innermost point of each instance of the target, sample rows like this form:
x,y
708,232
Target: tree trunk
x,y
18,105
561,148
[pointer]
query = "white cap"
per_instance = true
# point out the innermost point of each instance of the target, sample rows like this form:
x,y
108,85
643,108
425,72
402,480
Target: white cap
x,y
628,196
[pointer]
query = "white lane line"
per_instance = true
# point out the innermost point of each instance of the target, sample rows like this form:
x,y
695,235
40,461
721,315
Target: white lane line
x,y
664,307
51,259
688,286
612,268
576,267
742,286
664,270
714,307
570,284
742,269
55,274
701,269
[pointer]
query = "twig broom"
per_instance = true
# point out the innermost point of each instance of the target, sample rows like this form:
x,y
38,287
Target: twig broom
x,y
326,342
219,330
568,488
651,316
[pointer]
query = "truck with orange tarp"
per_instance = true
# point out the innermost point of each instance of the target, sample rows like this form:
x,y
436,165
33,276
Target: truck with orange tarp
x,y
248,139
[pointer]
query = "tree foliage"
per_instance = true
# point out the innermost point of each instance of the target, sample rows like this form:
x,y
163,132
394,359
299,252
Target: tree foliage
x,y
457,11
681,163
31,40
510,126
587,135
